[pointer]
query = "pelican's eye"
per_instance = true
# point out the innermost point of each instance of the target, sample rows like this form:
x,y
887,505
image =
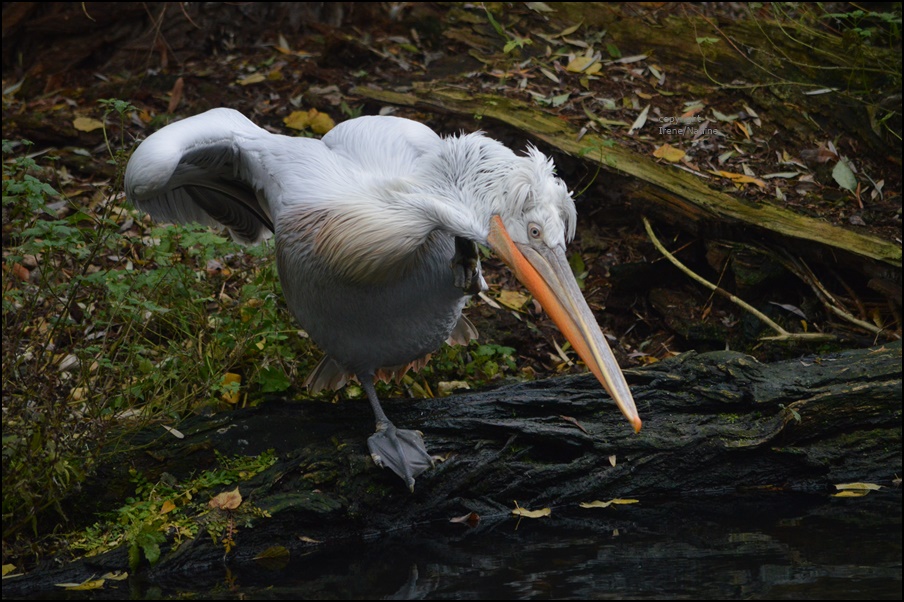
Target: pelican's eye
x,y
535,232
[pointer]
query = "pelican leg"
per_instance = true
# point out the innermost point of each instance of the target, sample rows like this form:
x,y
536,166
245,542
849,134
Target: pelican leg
x,y
403,451
465,266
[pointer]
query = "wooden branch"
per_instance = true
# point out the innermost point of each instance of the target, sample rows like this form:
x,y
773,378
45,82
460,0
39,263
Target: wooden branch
x,y
783,335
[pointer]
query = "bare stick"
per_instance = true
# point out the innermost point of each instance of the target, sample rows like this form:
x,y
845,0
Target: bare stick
x,y
783,335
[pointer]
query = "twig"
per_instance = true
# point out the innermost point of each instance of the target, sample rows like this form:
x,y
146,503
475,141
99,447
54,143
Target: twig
x,y
803,271
783,335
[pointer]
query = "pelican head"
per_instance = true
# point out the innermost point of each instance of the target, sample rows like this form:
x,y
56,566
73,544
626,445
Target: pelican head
x,y
533,218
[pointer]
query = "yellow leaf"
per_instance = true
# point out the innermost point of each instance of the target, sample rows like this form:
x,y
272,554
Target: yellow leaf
x,y
569,30
83,586
858,487
168,506
231,396
254,78
8,568
228,500
596,504
116,576
297,120
870,486
524,512
87,124
739,178
584,64
513,299
851,493
616,501
669,153
320,123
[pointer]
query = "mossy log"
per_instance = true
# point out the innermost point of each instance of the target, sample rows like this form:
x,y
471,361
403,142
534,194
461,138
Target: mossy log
x,y
668,193
713,423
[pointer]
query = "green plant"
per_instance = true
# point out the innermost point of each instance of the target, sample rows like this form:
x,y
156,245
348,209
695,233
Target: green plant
x,y
110,323
512,41
170,510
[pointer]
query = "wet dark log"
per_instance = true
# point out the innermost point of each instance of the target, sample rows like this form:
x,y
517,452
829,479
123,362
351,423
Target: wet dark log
x,y
714,423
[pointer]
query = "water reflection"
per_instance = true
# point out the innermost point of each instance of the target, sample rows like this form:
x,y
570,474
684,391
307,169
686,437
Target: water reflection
x,y
774,546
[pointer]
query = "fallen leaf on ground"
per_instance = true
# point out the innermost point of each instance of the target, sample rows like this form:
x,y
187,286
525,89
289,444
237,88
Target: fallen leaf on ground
x,y
519,511
87,585
471,519
228,500
87,124
669,153
600,504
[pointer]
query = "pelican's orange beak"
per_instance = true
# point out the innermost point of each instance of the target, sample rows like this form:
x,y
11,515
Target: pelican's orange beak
x,y
546,274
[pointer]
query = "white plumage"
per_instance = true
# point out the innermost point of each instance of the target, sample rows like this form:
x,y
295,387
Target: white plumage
x,y
376,227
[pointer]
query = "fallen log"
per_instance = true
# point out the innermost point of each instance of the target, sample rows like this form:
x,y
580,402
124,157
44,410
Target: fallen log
x,y
673,195
713,423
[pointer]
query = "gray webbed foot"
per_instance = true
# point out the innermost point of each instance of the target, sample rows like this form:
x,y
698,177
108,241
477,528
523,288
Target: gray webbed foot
x,y
401,450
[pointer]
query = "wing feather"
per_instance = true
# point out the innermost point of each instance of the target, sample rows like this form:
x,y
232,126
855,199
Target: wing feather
x,y
199,171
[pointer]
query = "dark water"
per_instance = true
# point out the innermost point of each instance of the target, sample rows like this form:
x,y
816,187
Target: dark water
x,y
772,546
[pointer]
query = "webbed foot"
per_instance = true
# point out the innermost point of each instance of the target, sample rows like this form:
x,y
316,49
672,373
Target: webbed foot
x,y
401,450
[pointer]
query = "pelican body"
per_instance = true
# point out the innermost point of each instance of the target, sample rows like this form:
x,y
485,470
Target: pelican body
x,y
376,227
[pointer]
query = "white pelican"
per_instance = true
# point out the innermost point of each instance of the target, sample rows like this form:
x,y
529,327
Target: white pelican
x,y
376,229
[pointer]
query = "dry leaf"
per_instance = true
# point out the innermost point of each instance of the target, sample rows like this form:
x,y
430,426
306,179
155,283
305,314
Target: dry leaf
x,y
168,506
254,78
86,585
584,64
87,124
116,576
471,519
447,387
616,501
570,30
232,395
858,486
320,123
175,95
573,421
844,175
228,500
669,153
640,121
21,272
174,432
524,512
851,493
513,299
738,178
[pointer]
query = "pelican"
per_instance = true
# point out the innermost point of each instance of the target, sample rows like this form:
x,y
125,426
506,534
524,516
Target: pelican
x,y
376,227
